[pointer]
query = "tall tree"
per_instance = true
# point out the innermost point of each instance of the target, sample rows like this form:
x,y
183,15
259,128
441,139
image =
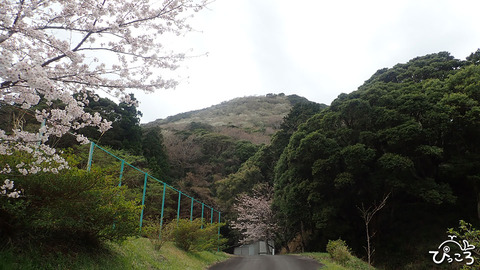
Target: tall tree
x,y
155,152
255,218
125,132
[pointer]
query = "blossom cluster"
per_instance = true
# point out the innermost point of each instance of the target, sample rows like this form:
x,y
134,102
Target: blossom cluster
x,y
57,53
7,190
255,218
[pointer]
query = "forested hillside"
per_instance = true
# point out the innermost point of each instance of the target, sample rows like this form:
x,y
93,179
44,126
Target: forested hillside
x,y
409,136
191,153
390,166
387,168
207,145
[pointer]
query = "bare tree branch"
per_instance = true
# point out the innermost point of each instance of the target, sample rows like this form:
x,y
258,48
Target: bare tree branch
x,y
367,214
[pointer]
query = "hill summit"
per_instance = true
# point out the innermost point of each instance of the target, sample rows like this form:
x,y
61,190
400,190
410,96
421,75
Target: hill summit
x,y
252,118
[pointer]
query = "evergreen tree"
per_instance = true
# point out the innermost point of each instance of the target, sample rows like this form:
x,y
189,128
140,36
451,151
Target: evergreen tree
x,y
412,131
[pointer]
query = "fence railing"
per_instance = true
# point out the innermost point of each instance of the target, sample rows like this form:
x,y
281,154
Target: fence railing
x,y
148,177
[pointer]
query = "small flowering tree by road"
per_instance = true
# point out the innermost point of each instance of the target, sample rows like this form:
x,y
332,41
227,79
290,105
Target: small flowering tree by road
x,y
255,218
58,52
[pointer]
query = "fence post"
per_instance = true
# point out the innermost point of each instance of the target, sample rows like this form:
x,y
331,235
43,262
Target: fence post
x,y
143,200
178,207
161,215
203,206
120,182
90,156
211,215
218,236
121,173
191,210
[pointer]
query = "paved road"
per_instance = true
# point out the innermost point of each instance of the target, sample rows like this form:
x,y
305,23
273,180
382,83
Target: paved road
x,y
268,262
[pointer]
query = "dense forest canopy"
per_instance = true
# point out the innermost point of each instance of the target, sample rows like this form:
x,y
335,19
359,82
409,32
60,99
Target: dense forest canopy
x,y
411,131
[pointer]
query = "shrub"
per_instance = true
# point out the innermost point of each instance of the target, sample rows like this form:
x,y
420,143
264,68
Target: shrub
x,y
74,207
339,251
467,232
151,230
190,236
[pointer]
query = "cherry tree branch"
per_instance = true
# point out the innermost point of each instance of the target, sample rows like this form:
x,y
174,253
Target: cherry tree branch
x,y
44,51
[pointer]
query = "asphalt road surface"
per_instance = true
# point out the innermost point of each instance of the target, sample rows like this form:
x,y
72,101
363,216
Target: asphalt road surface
x,y
267,262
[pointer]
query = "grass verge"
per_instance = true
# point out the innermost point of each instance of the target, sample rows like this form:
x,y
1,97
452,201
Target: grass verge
x,y
329,264
135,253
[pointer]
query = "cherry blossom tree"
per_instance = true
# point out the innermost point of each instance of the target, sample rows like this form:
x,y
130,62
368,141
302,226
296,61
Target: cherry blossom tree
x,y
57,52
255,218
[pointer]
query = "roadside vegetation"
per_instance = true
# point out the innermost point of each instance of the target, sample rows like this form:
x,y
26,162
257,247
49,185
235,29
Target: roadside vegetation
x,y
339,257
134,253
330,264
85,220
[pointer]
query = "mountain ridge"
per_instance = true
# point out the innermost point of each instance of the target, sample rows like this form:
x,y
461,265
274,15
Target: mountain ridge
x,y
253,118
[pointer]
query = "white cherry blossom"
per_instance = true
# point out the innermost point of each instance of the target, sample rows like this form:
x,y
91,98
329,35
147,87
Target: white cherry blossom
x,y
51,50
255,218
7,189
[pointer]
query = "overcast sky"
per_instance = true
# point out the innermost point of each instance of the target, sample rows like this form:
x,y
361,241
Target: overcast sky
x,y
313,48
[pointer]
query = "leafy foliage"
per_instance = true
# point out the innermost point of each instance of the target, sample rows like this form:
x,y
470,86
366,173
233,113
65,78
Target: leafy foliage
x,y
339,251
125,132
412,131
194,235
154,151
466,231
199,157
72,208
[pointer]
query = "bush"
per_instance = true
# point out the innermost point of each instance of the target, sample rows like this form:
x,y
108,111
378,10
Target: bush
x,y
189,235
151,230
74,207
339,251
467,232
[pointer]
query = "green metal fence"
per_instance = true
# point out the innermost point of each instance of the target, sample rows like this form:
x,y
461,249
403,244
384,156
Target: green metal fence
x,y
205,209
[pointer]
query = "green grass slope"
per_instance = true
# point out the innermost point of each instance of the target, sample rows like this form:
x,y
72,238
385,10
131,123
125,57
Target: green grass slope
x,y
329,264
135,253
